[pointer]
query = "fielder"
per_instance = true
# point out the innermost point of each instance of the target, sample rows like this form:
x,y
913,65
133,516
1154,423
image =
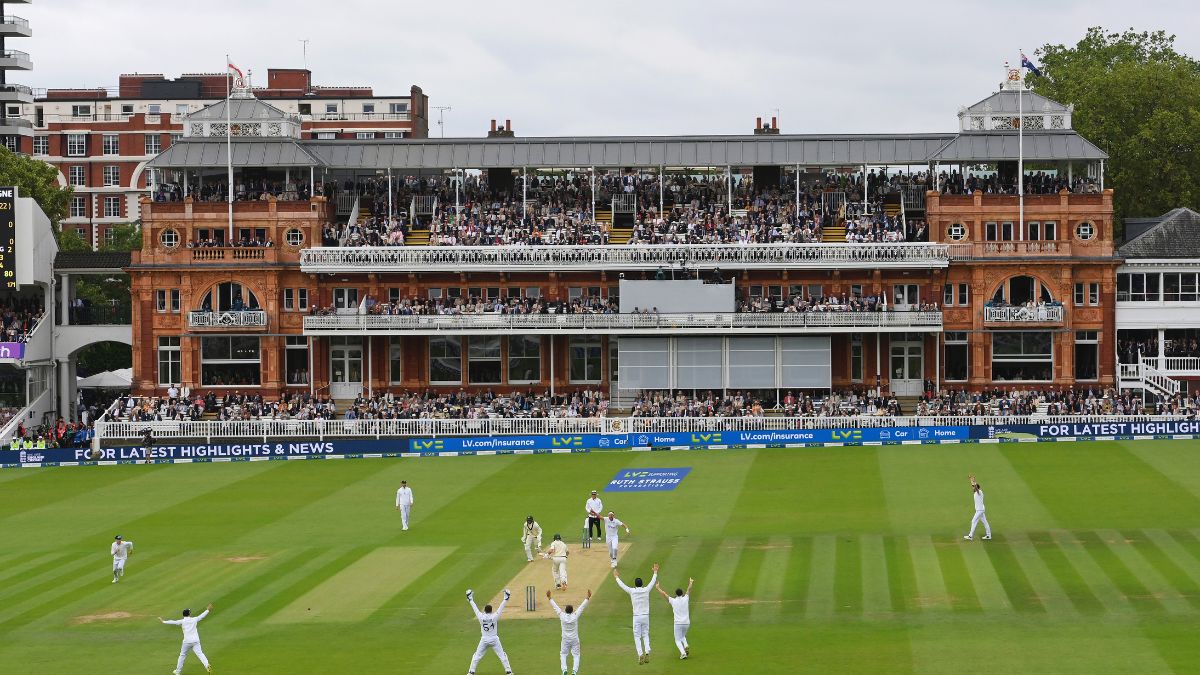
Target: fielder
x,y
120,553
191,637
640,595
611,525
570,632
489,638
594,507
977,492
683,619
531,533
404,502
557,553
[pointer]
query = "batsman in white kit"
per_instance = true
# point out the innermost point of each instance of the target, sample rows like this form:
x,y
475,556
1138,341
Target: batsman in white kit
x,y
569,618
611,525
404,502
191,637
557,553
640,595
120,553
489,638
980,515
531,533
683,618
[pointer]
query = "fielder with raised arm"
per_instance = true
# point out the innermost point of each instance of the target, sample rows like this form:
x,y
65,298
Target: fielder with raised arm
x,y
489,638
404,502
980,515
611,525
120,553
570,632
557,553
683,619
191,637
531,533
640,595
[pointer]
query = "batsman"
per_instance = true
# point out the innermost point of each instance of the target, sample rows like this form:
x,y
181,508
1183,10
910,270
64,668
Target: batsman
x,y
531,537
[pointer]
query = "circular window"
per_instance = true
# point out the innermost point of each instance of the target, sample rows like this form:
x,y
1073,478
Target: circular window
x,y
957,232
168,238
1085,231
294,237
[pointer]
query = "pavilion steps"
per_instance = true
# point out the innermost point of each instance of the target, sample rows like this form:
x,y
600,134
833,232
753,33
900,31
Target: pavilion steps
x,y
833,234
417,238
619,236
604,216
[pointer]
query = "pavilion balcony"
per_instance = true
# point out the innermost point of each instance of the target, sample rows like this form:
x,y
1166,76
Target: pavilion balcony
x,y
649,257
250,318
1038,314
623,324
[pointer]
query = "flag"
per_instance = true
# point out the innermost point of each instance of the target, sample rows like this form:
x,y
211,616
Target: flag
x,y
237,81
1026,63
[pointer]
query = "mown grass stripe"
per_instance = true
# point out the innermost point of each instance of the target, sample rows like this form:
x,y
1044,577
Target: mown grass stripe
x,y
902,581
1016,585
705,557
1100,584
1043,581
31,569
257,591
768,593
984,579
1160,576
797,577
745,577
304,584
720,574
931,586
1189,541
821,577
847,578
876,594
1139,597
1176,552
54,577
677,562
959,589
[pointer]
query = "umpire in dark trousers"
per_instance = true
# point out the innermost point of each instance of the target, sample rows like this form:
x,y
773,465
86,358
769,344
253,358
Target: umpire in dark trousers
x,y
595,508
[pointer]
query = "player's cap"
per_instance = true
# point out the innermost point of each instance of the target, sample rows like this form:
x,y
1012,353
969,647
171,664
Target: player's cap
x,y
593,492
529,519
558,536
117,537
612,513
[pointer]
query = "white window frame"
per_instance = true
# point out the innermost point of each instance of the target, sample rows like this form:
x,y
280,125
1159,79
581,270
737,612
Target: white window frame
x,y
169,353
78,206
41,145
152,144
110,145
112,175
116,212
76,145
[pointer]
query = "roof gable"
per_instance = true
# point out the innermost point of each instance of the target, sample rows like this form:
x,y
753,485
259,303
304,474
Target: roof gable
x,y
1177,235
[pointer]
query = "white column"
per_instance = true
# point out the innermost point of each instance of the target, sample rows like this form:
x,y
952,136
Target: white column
x,y
312,182
551,365
729,189
661,177
65,281
64,388
311,387
937,363
370,343
459,174
1160,360
185,183
524,190
1102,175
797,188
390,210
878,370
593,194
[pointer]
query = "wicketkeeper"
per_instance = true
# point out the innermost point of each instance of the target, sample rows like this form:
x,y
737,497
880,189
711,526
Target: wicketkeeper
x,y
531,534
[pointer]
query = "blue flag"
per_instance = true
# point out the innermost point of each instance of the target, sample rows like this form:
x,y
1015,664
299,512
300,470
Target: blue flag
x,y
1026,63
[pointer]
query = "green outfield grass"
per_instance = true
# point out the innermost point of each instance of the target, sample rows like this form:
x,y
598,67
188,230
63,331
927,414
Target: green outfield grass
x,y
837,560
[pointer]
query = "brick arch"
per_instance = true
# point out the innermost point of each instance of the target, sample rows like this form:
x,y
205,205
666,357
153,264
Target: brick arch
x,y
991,292
217,283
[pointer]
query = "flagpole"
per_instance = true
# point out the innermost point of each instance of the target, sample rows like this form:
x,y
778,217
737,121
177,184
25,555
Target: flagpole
x,y
1021,149
229,144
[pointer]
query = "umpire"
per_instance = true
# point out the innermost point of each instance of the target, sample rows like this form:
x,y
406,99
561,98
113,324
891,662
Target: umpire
x,y
594,508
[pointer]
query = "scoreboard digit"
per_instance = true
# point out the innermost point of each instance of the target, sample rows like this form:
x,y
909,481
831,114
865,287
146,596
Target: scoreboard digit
x,y
8,237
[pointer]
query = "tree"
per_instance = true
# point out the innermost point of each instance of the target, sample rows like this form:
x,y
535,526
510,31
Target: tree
x,y
1137,99
36,179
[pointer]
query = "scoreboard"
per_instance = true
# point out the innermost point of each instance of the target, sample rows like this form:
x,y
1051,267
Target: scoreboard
x,y
8,237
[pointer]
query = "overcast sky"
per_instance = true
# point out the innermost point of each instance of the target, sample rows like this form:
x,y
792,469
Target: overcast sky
x,y
599,68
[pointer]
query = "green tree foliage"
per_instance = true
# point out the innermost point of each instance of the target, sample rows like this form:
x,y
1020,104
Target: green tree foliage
x,y
1139,100
36,179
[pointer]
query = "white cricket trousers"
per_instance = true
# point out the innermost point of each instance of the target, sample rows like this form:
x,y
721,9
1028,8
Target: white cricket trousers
x,y
119,566
484,645
571,647
612,548
681,642
980,516
641,634
192,646
404,511
558,566
529,543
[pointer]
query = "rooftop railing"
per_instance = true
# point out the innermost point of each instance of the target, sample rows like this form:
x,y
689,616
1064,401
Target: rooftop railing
x,y
250,318
357,117
619,323
634,257
1022,314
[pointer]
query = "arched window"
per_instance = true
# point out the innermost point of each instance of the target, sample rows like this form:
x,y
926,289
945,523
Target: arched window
x,y
1022,290
229,296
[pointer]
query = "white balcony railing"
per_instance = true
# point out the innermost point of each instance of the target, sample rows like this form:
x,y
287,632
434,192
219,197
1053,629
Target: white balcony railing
x,y
228,319
621,323
1035,314
649,257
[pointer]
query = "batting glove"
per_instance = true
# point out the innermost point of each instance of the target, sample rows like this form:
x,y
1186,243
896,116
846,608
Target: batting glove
x,y
470,593
507,595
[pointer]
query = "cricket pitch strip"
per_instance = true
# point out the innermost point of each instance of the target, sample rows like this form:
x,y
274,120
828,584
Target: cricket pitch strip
x,y
586,568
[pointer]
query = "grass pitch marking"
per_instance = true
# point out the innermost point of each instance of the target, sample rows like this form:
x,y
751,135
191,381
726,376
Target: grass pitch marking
x,y
586,569
107,616
354,593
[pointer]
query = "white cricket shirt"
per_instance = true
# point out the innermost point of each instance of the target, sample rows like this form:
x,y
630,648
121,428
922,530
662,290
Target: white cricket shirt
x,y
639,596
679,605
558,549
190,634
488,622
611,527
570,622
404,497
120,549
594,504
978,500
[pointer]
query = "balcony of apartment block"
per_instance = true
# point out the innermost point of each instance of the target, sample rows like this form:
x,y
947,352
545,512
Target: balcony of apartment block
x,y
227,319
1044,314
717,323
16,93
630,257
15,126
356,117
14,26
13,59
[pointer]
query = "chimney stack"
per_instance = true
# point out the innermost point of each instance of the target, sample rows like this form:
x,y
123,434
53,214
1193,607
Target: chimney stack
x,y
774,124
493,126
757,123
502,132
760,130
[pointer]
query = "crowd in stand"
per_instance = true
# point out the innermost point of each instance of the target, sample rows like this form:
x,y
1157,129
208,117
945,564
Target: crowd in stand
x,y
1129,348
18,318
60,434
416,306
243,190
1036,183
1002,402
244,242
831,303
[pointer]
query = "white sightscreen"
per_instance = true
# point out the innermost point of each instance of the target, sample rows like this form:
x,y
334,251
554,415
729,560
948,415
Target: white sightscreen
x,y
752,362
806,362
644,363
698,362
